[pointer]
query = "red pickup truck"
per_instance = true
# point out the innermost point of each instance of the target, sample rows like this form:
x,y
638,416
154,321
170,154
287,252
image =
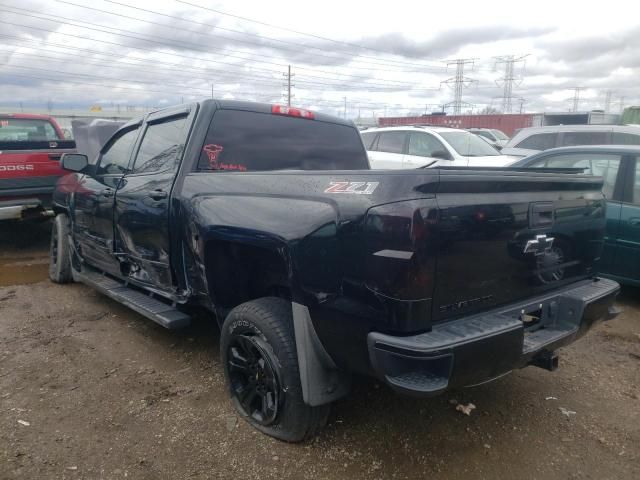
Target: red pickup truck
x,y
30,151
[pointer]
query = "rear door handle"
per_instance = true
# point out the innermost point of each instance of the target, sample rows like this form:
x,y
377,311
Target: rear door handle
x,y
107,192
158,194
55,156
634,221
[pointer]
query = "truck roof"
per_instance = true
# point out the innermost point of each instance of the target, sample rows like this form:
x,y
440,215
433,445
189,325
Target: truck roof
x,y
259,107
30,116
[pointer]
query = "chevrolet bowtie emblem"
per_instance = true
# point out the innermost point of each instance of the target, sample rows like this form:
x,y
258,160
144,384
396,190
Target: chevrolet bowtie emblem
x,y
539,245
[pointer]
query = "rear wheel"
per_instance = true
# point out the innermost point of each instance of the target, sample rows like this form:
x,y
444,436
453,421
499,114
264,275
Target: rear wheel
x,y
261,367
59,258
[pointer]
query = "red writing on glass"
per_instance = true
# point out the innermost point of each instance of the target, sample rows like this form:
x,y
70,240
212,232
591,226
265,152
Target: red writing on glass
x,y
213,152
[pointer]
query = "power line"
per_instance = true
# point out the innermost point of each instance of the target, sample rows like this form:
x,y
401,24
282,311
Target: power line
x,y
388,88
290,30
296,46
459,83
133,35
508,79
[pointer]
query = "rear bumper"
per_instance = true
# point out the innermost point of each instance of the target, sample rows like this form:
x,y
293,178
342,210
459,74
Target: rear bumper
x,y
21,207
476,349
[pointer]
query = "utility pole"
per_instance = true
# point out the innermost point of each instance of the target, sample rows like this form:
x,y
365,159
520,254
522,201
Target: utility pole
x,y
621,104
521,104
576,97
288,76
345,107
459,82
607,101
212,90
508,79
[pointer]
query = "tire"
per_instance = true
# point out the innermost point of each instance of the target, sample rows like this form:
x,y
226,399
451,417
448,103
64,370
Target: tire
x,y
59,257
258,350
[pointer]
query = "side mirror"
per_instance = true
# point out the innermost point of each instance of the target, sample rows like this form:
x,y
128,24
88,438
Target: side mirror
x,y
441,154
74,162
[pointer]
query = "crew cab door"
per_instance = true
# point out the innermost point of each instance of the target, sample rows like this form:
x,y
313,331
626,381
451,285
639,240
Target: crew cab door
x,y
143,199
94,197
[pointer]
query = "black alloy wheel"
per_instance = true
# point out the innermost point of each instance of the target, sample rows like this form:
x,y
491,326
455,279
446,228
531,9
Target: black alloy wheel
x,y
253,379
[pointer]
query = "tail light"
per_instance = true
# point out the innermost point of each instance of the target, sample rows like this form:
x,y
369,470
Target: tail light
x,y
401,249
292,111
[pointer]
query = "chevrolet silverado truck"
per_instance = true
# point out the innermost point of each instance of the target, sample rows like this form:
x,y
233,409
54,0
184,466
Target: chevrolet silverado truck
x,y
30,151
317,268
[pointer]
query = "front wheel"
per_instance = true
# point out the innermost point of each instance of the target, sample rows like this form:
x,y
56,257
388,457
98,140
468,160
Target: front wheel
x,y
261,368
59,258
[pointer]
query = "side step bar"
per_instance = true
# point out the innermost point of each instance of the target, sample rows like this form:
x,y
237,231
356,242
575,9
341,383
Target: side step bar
x,y
162,313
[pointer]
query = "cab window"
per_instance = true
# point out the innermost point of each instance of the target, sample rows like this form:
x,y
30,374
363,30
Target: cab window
x,y
162,146
115,157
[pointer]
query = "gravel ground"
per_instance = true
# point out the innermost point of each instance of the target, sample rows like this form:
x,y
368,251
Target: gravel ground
x,y
89,389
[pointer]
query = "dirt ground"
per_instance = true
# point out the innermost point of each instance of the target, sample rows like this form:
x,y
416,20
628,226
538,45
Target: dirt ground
x,y
89,389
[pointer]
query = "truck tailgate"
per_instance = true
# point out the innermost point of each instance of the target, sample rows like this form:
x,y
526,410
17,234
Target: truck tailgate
x,y
508,235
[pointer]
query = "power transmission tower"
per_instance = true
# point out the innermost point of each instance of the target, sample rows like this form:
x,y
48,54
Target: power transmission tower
x,y
288,76
508,79
607,101
621,102
459,83
576,97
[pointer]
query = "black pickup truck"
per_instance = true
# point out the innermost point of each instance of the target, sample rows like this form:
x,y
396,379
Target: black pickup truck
x,y
317,268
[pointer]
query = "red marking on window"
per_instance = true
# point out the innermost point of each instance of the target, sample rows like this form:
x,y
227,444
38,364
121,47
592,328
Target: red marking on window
x,y
213,151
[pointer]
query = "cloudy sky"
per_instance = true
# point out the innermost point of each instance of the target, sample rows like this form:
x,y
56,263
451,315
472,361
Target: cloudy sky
x,y
381,56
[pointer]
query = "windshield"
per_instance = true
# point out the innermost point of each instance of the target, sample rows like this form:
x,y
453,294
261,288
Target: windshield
x,y
26,130
499,135
468,145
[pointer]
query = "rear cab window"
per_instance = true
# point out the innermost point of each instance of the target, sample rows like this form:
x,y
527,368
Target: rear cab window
x,y
243,141
27,130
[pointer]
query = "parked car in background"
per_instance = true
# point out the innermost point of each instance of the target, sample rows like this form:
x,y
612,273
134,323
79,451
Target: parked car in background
x,y
534,139
495,137
620,168
420,147
30,151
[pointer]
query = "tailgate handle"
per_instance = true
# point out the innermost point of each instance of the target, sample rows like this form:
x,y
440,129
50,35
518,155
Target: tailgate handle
x,y
540,214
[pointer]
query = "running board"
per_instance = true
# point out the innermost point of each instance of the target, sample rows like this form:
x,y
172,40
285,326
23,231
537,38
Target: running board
x,y
152,308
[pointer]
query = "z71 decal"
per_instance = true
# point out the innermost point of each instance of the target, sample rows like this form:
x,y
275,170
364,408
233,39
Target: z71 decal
x,y
360,188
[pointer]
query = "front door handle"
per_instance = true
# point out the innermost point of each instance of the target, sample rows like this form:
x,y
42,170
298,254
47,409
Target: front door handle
x,y
634,221
107,192
158,194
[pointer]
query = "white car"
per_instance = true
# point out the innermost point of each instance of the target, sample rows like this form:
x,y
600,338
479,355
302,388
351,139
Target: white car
x,y
535,139
420,147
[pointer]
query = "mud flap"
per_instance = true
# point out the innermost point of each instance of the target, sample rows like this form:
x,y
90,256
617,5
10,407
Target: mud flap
x,y
321,381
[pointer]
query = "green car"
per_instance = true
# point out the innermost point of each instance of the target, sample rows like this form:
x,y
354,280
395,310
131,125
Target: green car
x,y
620,168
